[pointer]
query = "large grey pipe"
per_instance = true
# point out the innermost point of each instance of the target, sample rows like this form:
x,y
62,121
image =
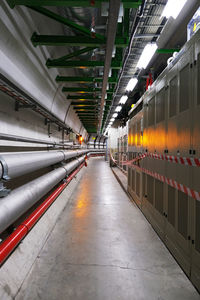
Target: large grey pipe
x,y
18,164
13,165
24,197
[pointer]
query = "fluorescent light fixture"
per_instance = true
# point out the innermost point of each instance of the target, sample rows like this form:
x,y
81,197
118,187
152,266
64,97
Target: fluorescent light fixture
x,y
112,119
131,85
146,55
173,8
115,115
123,99
118,108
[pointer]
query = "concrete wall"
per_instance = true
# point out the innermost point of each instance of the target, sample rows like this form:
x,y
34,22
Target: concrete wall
x,y
24,65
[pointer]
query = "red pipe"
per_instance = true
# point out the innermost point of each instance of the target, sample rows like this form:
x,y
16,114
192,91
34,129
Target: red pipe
x,y
22,230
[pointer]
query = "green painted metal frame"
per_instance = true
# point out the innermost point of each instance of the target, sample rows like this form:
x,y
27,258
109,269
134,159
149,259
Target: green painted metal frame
x,y
166,51
85,90
85,103
84,79
86,110
83,64
82,96
73,54
62,40
65,21
71,3
87,97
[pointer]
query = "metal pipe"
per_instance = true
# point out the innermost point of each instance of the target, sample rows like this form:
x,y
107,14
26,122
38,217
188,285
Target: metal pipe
x,y
135,26
114,6
22,230
24,197
17,164
16,138
13,165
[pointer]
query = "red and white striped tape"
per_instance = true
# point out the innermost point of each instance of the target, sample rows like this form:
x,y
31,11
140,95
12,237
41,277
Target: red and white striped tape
x,y
187,161
181,187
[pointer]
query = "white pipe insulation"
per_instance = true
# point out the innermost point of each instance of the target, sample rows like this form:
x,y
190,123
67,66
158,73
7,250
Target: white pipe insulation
x,y
21,199
13,165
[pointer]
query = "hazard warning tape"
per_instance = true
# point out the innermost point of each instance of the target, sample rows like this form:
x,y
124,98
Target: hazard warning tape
x,y
187,161
181,187
179,160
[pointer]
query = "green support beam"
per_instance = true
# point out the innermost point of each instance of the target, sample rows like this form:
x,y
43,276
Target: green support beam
x,y
166,51
71,3
85,90
82,114
64,21
92,107
85,97
83,109
83,103
83,64
59,40
126,22
73,54
84,79
88,116
62,40
89,122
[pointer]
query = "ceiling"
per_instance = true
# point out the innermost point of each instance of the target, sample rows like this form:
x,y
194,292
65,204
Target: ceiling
x,y
170,35
87,51
95,47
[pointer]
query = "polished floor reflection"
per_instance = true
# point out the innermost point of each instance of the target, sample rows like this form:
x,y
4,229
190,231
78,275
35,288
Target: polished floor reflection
x,y
103,248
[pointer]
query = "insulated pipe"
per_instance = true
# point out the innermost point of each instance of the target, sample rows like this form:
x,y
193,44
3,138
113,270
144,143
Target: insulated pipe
x,y
1,170
22,230
17,164
13,165
70,154
24,197
72,165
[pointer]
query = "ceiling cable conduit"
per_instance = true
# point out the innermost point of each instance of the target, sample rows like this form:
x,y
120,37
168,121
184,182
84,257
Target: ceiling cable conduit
x,y
13,165
134,30
114,6
24,99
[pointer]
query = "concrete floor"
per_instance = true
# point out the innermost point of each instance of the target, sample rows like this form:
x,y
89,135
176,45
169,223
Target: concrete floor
x,y
103,248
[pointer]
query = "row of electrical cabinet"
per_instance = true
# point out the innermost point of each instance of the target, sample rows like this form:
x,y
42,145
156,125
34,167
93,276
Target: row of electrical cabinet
x,y
171,108
122,148
169,123
174,215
